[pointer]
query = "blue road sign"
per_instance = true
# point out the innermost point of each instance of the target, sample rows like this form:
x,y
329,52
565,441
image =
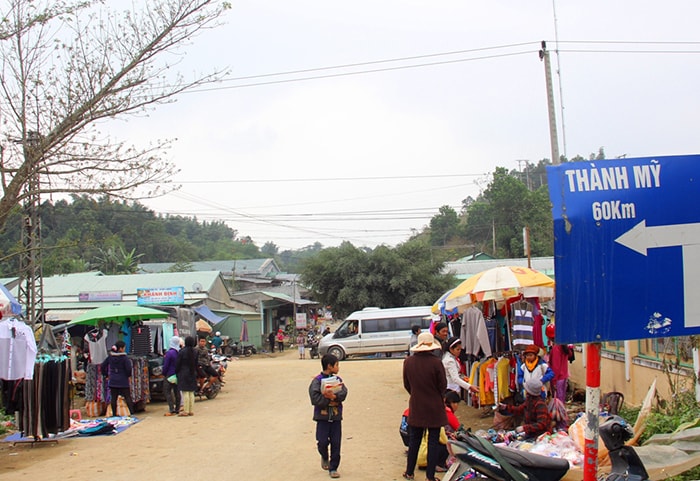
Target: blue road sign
x,y
627,248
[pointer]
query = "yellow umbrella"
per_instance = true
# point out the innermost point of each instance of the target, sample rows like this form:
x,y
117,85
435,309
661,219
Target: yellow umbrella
x,y
501,283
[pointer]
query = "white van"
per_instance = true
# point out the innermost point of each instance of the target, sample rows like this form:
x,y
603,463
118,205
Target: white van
x,y
373,330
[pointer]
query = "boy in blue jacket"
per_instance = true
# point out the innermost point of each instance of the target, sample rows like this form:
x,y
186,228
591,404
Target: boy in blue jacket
x,y
328,412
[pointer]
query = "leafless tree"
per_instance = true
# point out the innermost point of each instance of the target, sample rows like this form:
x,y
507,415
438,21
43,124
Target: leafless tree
x,y
66,67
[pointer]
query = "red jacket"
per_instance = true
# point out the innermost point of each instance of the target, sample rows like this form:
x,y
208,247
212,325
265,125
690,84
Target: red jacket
x,y
537,419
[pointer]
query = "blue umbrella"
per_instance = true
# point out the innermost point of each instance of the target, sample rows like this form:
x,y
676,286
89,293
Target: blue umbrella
x,y
8,304
439,306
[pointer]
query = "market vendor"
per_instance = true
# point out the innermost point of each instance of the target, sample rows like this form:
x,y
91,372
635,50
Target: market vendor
x,y
536,415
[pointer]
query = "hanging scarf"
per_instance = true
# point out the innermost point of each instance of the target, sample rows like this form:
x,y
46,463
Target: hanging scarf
x,y
531,365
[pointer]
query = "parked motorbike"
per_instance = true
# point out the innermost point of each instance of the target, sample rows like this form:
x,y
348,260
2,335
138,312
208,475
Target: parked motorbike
x,y
501,463
626,465
239,349
506,464
312,345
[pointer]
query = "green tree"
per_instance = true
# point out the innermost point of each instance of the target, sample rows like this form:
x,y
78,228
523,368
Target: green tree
x,y
444,226
117,261
503,210
269,249
348,278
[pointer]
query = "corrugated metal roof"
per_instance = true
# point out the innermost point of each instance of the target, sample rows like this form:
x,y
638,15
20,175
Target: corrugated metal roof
x,y
464,270
275,295
228,267
71,285
64,315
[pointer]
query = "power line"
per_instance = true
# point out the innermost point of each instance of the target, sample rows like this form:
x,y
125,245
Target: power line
x,y
328,179
359,72
430,64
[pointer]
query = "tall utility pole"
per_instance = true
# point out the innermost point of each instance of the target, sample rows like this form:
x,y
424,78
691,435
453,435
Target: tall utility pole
x,y
31,285
553,138
592,349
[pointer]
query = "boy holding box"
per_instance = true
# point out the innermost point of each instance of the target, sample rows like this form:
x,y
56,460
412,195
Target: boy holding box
x,y
327,393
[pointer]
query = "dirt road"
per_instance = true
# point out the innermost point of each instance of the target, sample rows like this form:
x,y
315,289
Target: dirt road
x,y
258,428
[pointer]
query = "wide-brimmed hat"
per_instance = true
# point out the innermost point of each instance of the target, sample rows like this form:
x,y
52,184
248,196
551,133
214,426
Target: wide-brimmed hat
x,y
533,386
533,349
426,342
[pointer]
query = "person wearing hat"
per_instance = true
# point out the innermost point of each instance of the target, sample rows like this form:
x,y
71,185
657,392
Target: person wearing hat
x,y
455,381
280,340
425,381
216,341
170,389
537,420
534,367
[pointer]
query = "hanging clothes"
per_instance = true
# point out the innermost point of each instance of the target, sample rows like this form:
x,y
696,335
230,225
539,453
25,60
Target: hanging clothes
x,y
97,345
473,332
45,399
537,322
503,376
17,350
141,342
523,324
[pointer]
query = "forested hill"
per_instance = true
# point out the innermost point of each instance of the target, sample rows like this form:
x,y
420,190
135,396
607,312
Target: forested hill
x,y
114,236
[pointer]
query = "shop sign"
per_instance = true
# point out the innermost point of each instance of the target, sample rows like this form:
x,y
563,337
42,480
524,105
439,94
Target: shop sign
x,y
100,296
163,296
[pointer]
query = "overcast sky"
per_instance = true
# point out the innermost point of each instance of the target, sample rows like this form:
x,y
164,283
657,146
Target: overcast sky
x,y
439,94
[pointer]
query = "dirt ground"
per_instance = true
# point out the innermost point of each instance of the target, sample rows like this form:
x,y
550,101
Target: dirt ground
x,y
258,428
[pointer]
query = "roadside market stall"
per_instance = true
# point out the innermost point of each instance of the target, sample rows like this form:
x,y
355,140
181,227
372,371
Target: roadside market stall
x,y
34,380
133,325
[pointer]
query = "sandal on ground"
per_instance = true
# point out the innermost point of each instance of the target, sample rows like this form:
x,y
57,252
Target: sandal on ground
x,y
440,469
183,415
169,414
407,476
334,474
324,464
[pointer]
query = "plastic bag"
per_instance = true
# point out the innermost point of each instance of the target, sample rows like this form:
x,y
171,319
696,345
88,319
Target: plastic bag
x,y
122,408
423,449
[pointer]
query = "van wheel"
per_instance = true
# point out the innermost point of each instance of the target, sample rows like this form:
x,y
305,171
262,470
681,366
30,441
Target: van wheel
x,y
337,352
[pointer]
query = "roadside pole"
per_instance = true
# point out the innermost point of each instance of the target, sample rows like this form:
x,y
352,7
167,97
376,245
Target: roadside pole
x,y
590,469
591,434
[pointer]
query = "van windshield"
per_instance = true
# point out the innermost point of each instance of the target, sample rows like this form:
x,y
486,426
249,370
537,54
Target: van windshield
x,y
346,329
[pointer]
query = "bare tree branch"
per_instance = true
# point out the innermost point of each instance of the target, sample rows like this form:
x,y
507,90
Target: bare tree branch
x,y
66,66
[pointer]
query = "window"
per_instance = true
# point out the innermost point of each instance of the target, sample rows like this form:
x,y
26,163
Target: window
x,y
614,346
668,348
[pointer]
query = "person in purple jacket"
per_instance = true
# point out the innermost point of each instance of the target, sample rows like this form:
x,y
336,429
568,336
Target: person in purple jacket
x,y
170,389
117,368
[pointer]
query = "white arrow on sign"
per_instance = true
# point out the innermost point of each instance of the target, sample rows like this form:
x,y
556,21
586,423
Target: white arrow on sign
x,y
640,238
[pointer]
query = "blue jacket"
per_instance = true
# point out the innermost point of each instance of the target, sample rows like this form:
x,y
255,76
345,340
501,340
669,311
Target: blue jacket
x,y
169,363
118,367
